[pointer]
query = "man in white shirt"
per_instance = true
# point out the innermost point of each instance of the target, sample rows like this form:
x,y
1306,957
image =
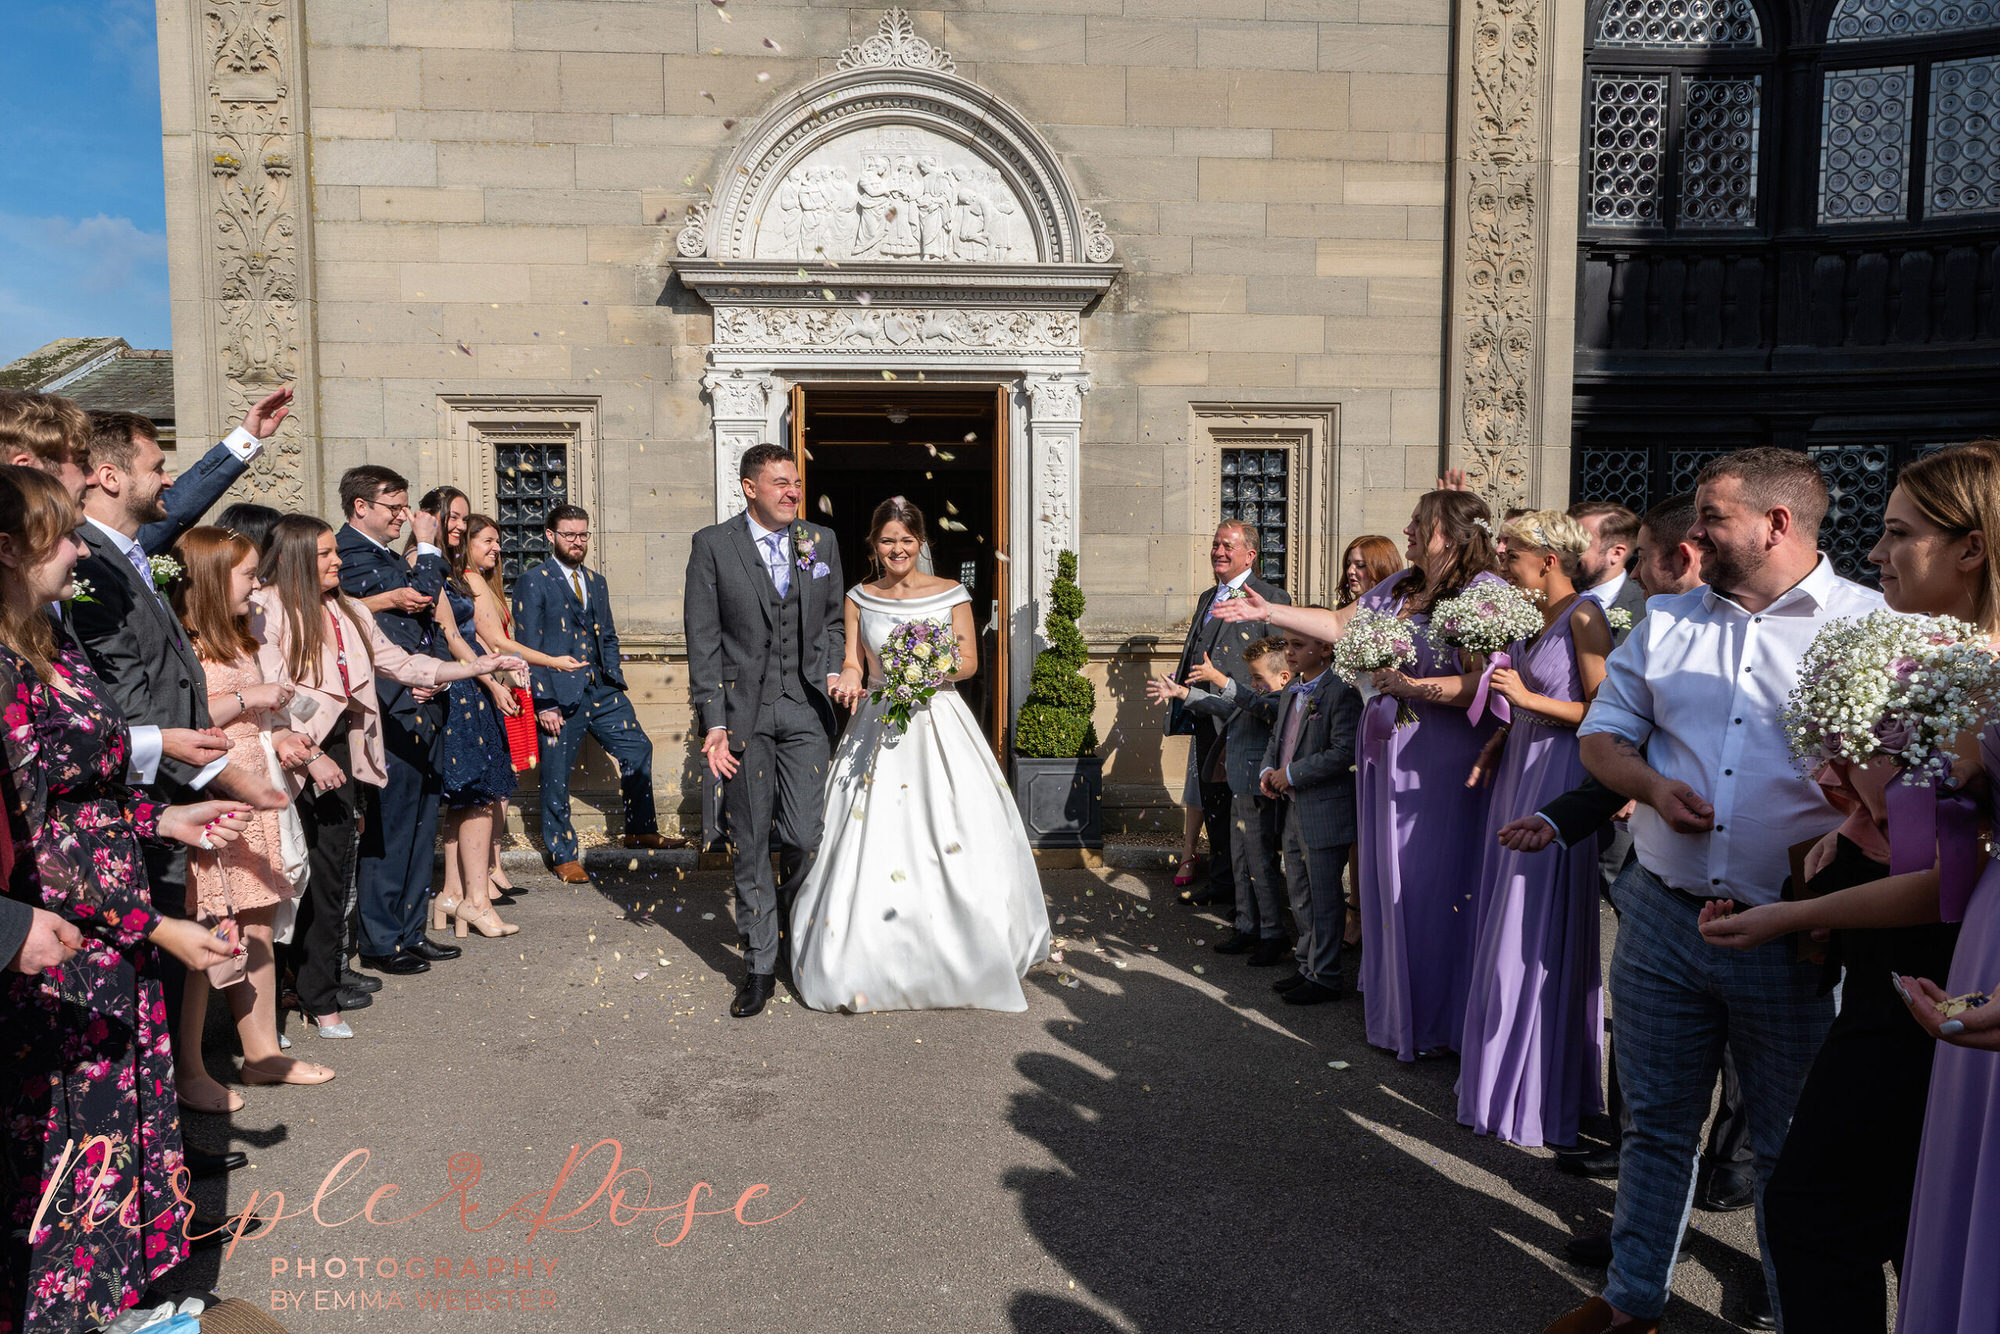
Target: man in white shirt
x,y
1687,723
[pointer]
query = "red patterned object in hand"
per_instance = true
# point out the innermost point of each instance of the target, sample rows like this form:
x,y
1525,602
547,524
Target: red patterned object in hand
x,y
522,742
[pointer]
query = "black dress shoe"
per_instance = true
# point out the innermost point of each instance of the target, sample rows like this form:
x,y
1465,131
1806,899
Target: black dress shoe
x,y
432,952
1593,1164
1309,992
1290,980
1726,1189
750,997
1240,942
353,981
207,1232
400,964
1270,953
1202,898
1757,1312
202,1163
351,998
1594,1251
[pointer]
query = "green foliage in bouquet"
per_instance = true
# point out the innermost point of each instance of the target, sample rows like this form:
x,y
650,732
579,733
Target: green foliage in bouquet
x,y
1055,720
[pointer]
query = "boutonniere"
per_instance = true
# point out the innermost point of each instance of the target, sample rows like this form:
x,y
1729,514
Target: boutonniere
x,y
1620,618
165,570
81,591
804,547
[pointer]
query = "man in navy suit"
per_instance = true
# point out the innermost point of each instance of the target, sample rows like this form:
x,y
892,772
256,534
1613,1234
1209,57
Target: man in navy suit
x,y
399,838
564,610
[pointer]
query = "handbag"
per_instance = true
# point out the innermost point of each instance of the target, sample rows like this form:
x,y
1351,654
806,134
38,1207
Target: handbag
x,y
237,966
524,744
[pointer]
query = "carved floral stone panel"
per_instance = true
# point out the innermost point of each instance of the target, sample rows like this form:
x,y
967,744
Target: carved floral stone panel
x,y
896,328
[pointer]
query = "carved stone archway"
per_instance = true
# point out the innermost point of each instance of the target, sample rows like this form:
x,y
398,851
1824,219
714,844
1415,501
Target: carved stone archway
x,y
896,217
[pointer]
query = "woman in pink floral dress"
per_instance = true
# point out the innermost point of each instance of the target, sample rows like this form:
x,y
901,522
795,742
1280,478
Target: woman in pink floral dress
x,y
86,1069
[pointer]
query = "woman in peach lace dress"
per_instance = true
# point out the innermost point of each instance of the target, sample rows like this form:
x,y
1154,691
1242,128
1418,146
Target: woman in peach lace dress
x,y
245,878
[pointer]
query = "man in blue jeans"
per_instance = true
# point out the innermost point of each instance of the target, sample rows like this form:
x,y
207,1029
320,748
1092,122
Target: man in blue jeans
x,y
563,609
1687,724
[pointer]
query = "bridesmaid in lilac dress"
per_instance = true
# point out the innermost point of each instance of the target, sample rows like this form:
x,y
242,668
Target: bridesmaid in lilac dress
x,y
1533,1044
1422,828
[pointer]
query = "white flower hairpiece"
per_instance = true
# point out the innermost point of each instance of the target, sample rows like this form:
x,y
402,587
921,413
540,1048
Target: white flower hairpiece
x,y
1485,525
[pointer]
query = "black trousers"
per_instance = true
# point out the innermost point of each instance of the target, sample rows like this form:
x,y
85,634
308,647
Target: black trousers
x,y
1215,801
323,930
1838,1203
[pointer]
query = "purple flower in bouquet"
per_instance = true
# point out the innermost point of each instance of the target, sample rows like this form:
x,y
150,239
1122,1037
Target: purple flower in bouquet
x,y
917,658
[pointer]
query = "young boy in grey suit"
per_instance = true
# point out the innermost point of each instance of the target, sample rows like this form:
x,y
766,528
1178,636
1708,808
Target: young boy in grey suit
x,y
1245,717
1308,767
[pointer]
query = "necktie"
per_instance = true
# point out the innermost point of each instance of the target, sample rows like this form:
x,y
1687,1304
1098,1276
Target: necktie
x,y
1294,721
576,582
1222,595
781,572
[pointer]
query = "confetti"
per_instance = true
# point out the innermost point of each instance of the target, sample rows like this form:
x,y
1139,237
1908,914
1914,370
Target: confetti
x,y
1971,1000
1199,969
706,917
764,76
826,292
826,504
728,123
707,94
1336,1065
898,876
463,348
863,298
774,46
888,375
641,976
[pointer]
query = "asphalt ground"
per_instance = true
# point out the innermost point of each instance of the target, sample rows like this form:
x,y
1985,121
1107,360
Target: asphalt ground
x,y
1158,1144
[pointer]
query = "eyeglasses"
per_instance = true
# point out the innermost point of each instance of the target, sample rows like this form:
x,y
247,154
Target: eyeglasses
x,y
393,509
583,536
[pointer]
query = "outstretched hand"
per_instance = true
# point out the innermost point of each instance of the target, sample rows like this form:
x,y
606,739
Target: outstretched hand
x,y
1247,605
1723,925
1977,1028
1453,480
1165,690
267,412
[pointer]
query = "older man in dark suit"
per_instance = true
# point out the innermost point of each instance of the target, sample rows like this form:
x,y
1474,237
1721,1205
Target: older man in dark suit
x,y
399,837
1232,557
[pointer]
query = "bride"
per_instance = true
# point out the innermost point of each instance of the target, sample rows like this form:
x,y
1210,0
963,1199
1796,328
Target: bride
x,y
924,894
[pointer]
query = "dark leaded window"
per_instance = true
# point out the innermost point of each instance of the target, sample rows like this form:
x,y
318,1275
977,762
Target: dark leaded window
x,y
1257,490
530,479
1675,119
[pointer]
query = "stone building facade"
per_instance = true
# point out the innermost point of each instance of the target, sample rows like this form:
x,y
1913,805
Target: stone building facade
x,y
1082,273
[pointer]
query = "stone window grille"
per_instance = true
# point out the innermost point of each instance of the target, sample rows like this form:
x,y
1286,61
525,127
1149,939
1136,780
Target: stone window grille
x,y
1272,467
1257,491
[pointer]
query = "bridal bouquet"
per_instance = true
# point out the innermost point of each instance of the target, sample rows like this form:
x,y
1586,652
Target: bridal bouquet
x,y
1374,641
916,658
1484,619
1891,686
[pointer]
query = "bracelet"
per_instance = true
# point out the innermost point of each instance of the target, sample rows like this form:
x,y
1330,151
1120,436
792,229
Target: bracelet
x,y
241,707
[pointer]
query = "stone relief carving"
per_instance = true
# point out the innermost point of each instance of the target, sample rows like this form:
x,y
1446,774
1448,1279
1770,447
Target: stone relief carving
x,y
1056,400
896,327
893,193
254,221
738,396
693,240
1500,256
895,44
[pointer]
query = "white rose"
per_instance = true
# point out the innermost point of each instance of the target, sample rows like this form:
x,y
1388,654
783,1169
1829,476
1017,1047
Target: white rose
x,y
921,652
913,674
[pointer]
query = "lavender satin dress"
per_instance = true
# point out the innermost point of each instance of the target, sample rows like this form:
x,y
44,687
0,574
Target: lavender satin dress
x,y
1950,1281
1422,832
1533,1043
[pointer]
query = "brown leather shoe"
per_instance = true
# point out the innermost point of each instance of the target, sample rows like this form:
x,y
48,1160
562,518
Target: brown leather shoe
x,y
652,841
572,873
1594,1317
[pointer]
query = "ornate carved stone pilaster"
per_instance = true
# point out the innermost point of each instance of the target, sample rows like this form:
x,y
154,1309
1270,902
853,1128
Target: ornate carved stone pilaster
x,y
1513,242
741,406
245,327
1055,441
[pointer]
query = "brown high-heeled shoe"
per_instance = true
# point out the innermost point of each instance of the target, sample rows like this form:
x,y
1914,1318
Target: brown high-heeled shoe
x,y
486,922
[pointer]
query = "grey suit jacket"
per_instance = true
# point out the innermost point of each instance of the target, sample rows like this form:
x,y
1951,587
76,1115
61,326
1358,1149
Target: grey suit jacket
x,y
1322,768
1245,714
731,634
1223,642
139,650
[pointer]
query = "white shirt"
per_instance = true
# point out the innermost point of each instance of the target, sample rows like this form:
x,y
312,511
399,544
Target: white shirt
x,y
1607,592
1698,686
245,446
573,580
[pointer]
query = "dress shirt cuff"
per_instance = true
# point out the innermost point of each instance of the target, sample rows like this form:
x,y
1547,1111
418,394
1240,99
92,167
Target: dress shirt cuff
x,y
1553,825
1605,717
243,445
1288,773
426,549
142,766
209,771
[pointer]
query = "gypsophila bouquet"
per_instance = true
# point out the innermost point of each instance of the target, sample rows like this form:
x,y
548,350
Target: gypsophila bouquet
x,y
1620,618
1485,618
165,570
916,658
1373,641
1890,686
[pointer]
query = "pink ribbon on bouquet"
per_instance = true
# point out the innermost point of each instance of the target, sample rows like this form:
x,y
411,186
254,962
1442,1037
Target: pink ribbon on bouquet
x,y
1479,696
1930,827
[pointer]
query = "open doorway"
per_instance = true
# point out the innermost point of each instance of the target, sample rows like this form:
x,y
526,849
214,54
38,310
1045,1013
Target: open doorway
x,y
942,448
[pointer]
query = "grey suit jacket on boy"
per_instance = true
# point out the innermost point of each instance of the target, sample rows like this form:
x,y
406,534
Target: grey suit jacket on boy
x,y
1245,715
1322,767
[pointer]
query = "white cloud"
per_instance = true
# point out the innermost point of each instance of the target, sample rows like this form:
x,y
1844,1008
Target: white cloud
x,y
72,278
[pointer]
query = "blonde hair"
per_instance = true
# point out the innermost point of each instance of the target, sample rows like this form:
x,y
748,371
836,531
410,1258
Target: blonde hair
x,y
1553,532
1958,489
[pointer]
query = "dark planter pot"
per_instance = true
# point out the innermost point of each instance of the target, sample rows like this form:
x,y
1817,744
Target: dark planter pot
x,y
1061,801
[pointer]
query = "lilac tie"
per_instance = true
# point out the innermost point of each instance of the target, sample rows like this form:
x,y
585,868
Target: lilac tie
x,y
781,570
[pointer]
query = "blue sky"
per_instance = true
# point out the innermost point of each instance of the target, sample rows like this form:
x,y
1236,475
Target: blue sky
x,y
83,247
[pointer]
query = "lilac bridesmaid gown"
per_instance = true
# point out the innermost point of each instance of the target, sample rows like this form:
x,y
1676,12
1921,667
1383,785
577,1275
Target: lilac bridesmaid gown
x,y
1533,1044
1950,1281
1422,832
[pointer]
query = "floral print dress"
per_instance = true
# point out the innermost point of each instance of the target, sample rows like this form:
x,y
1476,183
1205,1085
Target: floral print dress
x,y
84,1052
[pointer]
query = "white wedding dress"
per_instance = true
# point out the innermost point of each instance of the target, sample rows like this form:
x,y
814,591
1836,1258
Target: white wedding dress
x,y
924,895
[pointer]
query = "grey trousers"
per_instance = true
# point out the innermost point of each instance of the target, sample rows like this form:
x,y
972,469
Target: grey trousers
x,y
1312,875
776,798
1253,848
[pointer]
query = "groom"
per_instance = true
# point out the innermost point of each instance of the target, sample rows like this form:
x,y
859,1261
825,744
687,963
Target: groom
x,y
766,637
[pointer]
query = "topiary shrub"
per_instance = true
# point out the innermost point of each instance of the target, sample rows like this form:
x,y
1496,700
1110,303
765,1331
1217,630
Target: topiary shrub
x,y
1055,721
